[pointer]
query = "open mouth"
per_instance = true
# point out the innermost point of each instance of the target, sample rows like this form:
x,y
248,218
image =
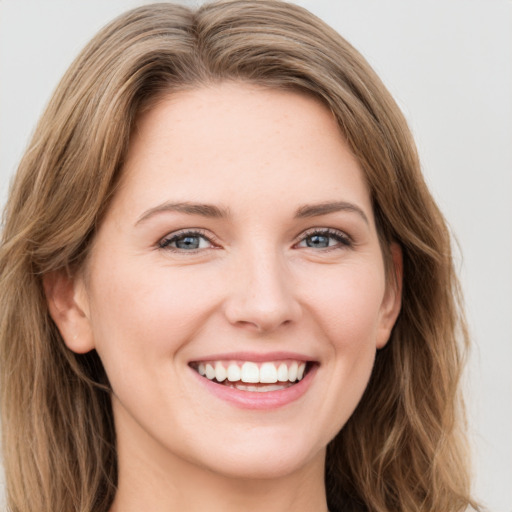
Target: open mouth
x,y
252,376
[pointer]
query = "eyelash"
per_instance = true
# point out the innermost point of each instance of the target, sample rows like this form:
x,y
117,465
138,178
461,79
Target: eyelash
x,y
174,237
341,238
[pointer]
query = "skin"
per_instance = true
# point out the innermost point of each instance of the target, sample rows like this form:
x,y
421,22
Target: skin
x,y
253,285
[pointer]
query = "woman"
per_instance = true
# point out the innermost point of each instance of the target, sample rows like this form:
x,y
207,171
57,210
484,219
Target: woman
x,y
225,284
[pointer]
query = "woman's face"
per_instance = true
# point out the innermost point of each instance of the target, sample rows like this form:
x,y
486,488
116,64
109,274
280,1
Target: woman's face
x,y
241,243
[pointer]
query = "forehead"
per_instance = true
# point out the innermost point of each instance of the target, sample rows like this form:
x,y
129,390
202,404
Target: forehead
x,y
231,140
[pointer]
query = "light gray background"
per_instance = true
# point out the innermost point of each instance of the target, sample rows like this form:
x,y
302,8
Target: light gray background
x,y
449,65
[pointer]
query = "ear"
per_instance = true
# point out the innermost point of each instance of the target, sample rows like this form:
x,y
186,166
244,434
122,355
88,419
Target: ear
x,y
68,304
392,301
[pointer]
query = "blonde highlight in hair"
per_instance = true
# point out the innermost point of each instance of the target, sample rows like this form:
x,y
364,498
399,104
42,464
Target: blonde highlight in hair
x,y
404,447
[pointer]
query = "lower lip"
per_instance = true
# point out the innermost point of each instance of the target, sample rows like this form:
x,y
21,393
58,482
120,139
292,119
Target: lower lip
x,y
259,400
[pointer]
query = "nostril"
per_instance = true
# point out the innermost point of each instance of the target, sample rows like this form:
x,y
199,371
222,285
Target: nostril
x,y
262,299
260,321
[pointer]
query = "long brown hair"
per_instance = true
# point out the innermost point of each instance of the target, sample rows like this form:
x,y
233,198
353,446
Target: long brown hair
x,y
404,447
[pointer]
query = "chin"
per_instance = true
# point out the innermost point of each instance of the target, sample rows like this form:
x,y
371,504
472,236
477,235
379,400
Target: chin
x,y
274,456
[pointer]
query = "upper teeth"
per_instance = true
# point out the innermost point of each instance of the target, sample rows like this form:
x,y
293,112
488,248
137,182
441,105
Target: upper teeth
x,y
265,373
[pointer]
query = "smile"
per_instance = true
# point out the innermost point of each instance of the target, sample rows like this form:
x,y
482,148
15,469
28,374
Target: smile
x,y
251,376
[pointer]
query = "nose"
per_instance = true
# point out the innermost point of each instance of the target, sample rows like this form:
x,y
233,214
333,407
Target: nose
x,y
262,294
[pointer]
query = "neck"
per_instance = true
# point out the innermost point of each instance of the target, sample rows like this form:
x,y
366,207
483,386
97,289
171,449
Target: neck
x,y
195,490
154,479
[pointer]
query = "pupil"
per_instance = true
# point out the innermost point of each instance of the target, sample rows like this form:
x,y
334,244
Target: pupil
x,y
318,241
188,242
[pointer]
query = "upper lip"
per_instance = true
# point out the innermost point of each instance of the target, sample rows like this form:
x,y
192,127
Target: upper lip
x,y
254,357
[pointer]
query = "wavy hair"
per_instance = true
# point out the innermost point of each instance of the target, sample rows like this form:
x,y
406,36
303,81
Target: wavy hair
x,y
404,448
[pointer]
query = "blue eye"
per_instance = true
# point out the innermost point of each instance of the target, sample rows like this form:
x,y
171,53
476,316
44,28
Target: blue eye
x,y
325,239
186,241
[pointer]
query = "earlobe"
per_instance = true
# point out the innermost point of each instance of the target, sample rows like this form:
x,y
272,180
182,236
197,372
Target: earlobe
x,y
392,301
67,303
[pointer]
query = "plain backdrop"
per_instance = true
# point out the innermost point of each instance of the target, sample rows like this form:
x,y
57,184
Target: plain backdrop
x,y
449,65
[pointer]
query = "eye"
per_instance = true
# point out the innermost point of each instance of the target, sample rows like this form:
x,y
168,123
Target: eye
x,y
186,241
325,239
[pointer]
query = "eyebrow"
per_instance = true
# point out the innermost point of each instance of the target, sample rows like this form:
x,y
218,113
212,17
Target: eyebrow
x,y
316,210
215,212
205,210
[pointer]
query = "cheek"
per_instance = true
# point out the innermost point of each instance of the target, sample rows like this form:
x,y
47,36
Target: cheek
x,y
146,313
347,309
346,302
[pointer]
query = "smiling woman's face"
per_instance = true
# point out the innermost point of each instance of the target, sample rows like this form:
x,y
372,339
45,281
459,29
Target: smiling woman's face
x,y
241,243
